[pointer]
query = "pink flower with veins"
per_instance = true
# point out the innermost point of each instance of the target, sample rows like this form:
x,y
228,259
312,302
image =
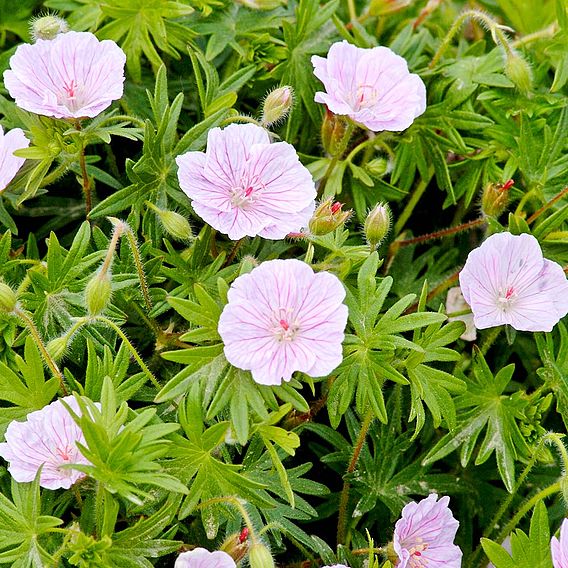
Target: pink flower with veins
x,y
202,558
559,547
48,437
9,164
245,186
373,86
507,281
282,317
424,535
72,76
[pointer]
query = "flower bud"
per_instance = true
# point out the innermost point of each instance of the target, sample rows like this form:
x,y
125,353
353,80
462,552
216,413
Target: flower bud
x,y
57,347
97,293
277,105
262,4
518,70
495,198
47,27
328,217
377,224
175,225
260,557
383,7
378,167
236,546
334,129
8,298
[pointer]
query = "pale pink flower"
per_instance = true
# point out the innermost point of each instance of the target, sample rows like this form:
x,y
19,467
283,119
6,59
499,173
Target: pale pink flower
x,y
9,164
202,558
72,76
48,437
371,86
559,547
281,318
507,281
424,535
245,186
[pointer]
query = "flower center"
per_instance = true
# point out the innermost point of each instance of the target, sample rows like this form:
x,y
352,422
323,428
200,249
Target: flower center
x,y
506,298
416,559
64,453
367,96
71,95
247,193
285,326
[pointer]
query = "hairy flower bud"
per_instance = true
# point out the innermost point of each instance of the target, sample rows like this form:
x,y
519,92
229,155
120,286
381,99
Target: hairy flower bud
x,y
98,292
8,298
518,70
334,129
262,4
47,27
176,225
495,198
277,105
378,167
377,224
260,557
328,217
57,347
236,546
383,7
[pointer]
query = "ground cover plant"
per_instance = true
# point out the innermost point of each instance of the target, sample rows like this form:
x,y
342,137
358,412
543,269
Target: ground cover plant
x,y
284,283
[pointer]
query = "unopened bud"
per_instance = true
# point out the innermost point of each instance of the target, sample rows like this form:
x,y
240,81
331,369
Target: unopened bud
x,y
377,224
47,27
236,546
262,4
518,70
260,557
334,130
98,293
378,167
176,225
495,198
277,105
383,7
57,347
328,217
8,298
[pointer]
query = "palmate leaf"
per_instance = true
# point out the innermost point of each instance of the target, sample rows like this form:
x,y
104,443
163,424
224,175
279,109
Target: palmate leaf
x,y
528,551
485,407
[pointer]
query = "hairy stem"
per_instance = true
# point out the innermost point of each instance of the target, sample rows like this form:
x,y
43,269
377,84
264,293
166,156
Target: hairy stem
x,y
547,205
139,268
344,499
440,234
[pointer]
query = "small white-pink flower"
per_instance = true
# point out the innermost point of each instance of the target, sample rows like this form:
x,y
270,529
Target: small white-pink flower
x,y
507,281
72,76
9,164
424,535
282,317
202,558
371,86
47,438
244,185
559,547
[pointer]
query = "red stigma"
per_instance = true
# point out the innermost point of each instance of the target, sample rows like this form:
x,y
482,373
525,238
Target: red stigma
x,y
509,293
508,184
248,191
418,553
336,207
284,325
244,535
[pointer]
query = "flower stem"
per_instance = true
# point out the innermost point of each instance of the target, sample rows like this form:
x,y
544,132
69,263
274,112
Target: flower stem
x,y
233,252
29,322
440,234
131,347
547,205
344,499
414,199
139,267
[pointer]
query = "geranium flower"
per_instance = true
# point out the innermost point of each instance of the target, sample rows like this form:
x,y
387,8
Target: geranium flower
x,y
559,548
455,302
9,164
245,186
48,437
281,318
371,86
507,281
72,76
424,535
202,558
